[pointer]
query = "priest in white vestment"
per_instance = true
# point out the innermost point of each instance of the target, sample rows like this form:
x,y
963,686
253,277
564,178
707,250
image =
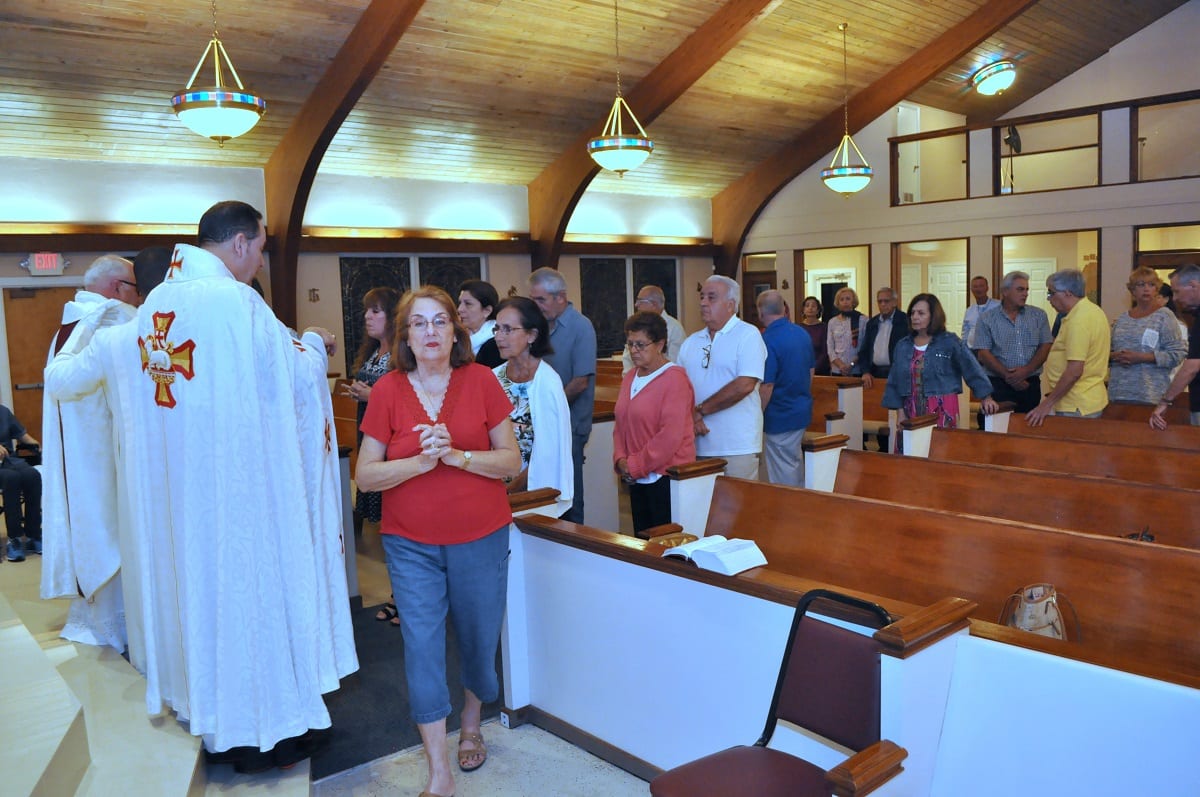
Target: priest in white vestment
x,y
81,543
236,500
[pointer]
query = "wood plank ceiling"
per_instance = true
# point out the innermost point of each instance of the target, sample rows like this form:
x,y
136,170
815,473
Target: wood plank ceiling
x,y
492,91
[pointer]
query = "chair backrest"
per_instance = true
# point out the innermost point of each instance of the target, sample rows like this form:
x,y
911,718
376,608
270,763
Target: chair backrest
x,y
829,680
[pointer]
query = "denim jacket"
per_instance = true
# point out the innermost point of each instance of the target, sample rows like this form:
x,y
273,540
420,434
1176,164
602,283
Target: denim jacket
x,y
948,362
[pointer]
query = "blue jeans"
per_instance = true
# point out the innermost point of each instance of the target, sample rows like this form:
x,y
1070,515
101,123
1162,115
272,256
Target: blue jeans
x,y
470,581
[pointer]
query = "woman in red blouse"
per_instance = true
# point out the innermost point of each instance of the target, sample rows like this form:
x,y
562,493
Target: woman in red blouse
x,y
654,421
438,443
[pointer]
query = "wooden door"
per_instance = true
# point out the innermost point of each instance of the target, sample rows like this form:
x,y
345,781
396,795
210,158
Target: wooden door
x,y
754,283
32,316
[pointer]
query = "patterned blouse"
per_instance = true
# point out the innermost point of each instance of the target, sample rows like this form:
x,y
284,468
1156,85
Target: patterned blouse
x,y
522,417
1145,382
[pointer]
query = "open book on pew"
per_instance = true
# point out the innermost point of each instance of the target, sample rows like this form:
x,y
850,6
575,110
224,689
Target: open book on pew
x,y
719,554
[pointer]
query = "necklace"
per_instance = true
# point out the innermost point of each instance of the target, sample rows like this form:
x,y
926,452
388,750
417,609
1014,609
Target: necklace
x,y
431,401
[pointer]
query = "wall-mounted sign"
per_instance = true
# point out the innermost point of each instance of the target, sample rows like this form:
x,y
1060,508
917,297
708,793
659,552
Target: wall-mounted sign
x,y
44,264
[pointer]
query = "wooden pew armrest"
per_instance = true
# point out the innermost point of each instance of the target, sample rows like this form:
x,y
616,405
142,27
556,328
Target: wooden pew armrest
x,y
692,470
528,499
925,626
919,422
866,770
825,442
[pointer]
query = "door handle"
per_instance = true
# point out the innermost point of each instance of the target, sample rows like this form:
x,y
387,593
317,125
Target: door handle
x,y
30,386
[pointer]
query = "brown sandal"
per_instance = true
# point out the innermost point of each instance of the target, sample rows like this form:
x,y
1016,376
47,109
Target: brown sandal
x,y
478,751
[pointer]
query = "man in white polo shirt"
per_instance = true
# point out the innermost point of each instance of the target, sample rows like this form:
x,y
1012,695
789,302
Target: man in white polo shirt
x,y
725,363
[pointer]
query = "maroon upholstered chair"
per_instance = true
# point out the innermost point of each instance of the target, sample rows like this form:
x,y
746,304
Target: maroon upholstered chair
x,y
828,684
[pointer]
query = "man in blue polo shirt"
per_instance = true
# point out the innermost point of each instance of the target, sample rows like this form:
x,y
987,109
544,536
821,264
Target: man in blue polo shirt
x,y
574,359
786,390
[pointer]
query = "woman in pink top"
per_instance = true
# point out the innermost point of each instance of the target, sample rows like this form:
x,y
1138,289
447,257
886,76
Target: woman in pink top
x,y
654,421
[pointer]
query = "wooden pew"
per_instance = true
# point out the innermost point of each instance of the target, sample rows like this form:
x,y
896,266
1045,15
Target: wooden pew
x,y
1123,411
1081,503
1170,467
1136,602
1100,430
838,407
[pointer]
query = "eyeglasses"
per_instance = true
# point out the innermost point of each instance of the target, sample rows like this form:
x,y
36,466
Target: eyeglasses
x,y
637,345
1050,294
419,324
504,329
707,355
127,282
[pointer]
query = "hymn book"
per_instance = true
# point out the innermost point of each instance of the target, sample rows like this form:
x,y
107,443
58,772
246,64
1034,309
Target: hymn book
x,y
719,554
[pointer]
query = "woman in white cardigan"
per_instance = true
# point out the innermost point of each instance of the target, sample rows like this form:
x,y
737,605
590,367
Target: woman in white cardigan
x,y
540,414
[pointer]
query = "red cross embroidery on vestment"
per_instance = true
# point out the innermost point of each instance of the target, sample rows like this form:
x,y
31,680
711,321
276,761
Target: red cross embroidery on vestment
x,y
162,359
328,437
176,265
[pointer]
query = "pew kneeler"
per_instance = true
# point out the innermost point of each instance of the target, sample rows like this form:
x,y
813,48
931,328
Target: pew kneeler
x,y
829,683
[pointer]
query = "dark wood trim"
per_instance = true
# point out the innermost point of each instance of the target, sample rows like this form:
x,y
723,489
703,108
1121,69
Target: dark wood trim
x,y
636,249
736,208
555,192
310,244
114,242
919,422
592,744
924,627
289,173
1095,146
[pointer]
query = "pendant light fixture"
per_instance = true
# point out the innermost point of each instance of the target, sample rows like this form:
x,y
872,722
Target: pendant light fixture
x,y
218,112
845,175
994,78
614,149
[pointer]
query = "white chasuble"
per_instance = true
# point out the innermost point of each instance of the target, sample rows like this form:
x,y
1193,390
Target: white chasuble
x,y
235,508
81,540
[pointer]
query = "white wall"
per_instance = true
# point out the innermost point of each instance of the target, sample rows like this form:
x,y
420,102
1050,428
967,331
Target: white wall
x,y
50,190
806,215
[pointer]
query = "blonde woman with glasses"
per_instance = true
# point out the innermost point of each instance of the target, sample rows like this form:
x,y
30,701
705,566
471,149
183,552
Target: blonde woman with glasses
x,y
1146,344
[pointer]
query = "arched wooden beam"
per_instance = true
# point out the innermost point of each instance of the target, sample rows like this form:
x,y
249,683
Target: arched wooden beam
x,y
554,193
293,165
737,207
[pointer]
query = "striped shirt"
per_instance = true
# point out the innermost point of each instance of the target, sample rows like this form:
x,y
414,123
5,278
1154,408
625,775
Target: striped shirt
x,y
1011,342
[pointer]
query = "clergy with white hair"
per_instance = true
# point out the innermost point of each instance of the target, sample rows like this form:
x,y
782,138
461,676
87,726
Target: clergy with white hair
x,y
80,527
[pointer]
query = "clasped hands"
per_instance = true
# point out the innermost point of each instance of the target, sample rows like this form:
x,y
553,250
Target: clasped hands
x,y
435,444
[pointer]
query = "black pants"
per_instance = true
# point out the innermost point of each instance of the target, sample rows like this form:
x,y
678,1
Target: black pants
x,y
1025,399
18,480
650,504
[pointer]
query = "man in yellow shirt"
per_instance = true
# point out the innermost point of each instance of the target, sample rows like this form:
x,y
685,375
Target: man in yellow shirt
x,y
1078,360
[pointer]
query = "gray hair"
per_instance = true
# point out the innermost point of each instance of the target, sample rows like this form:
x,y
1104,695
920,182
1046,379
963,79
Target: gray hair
x,y
1012,277
105,268
888,291
655,294
1187,274
770,302
549,279
732,289
1070,280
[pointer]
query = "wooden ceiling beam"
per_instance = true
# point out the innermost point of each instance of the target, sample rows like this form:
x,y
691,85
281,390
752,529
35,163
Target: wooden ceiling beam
x,y
737,207
555,192
293,165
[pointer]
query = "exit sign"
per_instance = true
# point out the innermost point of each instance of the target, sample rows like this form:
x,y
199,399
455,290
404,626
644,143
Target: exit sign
x,y
46,264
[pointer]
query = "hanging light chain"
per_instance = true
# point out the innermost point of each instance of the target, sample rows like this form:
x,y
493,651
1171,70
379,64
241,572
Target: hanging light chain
x,y
616,41
845,80
214,16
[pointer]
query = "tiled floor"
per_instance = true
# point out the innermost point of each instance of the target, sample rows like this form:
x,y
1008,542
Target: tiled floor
x,y
522,762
